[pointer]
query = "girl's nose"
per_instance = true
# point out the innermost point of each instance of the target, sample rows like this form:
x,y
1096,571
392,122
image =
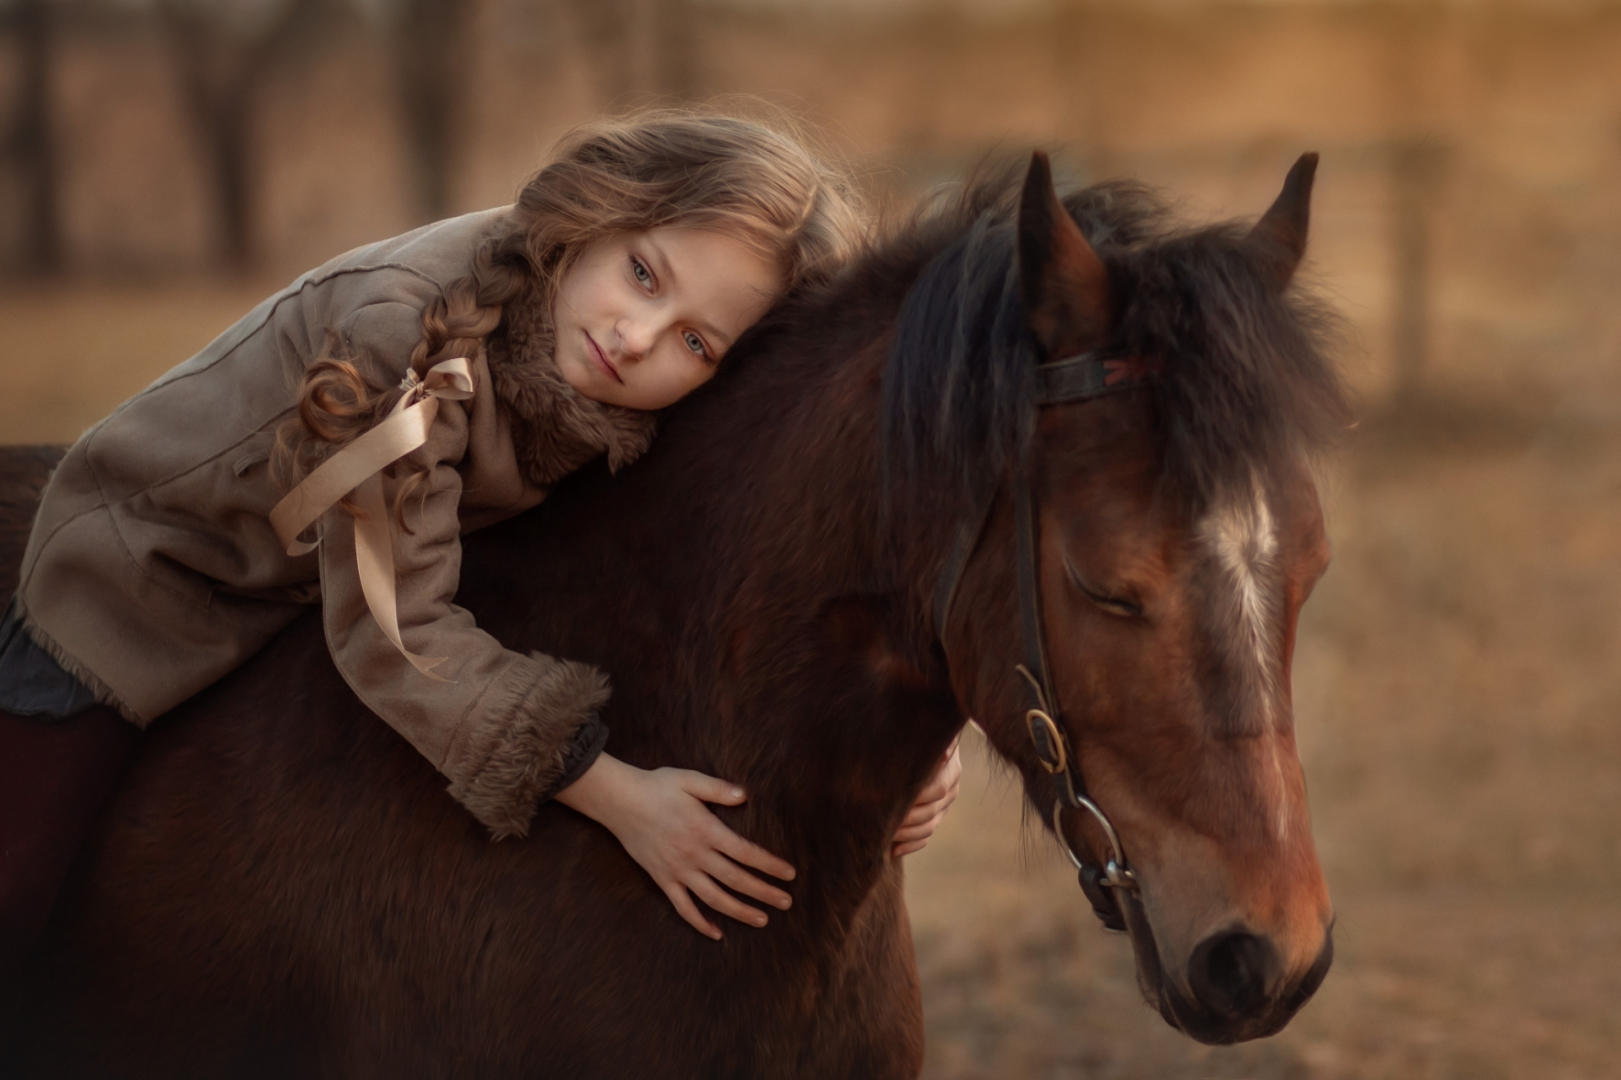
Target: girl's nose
x,y
636,337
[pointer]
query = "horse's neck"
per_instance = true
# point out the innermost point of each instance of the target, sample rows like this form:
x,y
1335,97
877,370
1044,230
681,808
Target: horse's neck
x,y
832,703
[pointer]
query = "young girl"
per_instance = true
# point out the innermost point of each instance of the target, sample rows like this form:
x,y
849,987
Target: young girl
x,y
333,446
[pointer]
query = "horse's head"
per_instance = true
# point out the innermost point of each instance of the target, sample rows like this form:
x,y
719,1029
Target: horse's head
x,y
1177,532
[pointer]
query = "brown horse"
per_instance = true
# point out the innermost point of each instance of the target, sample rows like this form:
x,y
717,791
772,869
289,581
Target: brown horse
x,y
282,888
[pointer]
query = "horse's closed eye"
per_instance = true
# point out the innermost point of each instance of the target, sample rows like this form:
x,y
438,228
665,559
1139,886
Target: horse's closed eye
x,y
1120,606
1125,609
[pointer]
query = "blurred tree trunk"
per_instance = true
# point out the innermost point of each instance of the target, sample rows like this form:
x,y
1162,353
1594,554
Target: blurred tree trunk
x,y
1418,161
1415,173
222,66
669,27
432,47
642,50
31,143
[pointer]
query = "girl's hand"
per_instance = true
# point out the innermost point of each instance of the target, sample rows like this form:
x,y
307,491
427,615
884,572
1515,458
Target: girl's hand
x,y
931,806
661,819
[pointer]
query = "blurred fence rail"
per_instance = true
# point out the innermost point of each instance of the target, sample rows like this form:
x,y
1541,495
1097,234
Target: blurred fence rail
x,y
1469,221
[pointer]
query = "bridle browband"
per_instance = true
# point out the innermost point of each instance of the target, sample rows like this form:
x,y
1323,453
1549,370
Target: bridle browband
x,y
1073,379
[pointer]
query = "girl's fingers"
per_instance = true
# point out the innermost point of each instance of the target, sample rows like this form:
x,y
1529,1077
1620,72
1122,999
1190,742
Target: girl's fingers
x,y
724,902
751,854
921,830
931,809
921,812
917,815
946,776
711,790
734,877
689,911
917,832
931,805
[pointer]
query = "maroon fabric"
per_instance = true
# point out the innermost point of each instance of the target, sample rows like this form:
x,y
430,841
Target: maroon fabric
x,y
54,777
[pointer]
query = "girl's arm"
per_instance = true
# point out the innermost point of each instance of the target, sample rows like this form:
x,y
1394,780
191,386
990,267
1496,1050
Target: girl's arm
x,y
500,725
660,817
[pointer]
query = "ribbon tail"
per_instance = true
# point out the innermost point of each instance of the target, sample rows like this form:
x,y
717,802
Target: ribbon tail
x,y
374,556
401,433
356,469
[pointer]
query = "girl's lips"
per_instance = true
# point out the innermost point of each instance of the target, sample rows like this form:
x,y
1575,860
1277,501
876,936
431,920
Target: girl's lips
x,y
601,358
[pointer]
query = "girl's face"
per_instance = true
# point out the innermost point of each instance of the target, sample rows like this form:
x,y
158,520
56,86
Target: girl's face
x,y
642,319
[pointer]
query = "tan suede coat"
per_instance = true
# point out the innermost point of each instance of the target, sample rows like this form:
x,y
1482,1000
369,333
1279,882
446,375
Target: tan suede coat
x,y
153,570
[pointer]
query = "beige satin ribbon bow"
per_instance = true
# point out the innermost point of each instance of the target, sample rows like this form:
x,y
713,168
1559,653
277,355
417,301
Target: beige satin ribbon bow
x,y
357,468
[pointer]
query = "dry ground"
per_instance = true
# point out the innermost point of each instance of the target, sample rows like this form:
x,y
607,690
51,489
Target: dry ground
x,y
1458,698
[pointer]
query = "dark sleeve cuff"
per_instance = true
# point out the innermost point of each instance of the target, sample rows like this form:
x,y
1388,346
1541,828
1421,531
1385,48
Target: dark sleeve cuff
x,y
581,754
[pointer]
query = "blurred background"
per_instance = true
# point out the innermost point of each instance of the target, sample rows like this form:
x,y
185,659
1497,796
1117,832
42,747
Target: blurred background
x,y
165,163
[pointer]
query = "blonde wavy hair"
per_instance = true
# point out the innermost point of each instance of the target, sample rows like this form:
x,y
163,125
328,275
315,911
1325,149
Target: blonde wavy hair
x,y
757,181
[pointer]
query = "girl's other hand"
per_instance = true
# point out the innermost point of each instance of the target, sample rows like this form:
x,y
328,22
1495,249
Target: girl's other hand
x,y
931,806
661,818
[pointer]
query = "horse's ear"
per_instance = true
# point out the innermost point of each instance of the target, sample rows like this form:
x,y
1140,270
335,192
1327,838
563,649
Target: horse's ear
x,y
1066,288
1279,238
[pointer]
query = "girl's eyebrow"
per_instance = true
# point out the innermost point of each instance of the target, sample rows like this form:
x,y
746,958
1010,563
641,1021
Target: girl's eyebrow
x,y
659,256
720,341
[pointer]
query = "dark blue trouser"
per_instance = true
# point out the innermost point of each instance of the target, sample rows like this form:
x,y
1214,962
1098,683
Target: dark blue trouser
x,y
61,756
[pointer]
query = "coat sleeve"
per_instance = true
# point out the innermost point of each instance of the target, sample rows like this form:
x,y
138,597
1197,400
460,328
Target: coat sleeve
x,y
507,730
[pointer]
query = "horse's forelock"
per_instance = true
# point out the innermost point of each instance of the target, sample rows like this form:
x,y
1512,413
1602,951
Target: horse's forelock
x,y
1246,384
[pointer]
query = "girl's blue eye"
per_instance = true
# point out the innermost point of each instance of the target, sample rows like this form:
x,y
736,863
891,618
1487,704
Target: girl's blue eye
x,y
695,343
643,275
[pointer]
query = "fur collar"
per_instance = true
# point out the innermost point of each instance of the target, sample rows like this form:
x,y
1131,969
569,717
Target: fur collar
x,y
555,428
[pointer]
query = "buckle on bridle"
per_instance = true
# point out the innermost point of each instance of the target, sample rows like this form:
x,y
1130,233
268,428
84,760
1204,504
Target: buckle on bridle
x,y
1048,740
1052,750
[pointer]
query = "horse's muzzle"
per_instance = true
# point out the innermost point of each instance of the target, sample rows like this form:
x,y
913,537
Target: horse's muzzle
x,y
1239,990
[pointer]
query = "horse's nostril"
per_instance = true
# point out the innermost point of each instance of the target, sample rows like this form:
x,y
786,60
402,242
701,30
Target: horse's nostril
x,y
1230,972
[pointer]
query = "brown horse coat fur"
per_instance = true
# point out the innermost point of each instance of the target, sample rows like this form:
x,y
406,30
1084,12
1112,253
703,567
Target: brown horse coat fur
x,y
280,889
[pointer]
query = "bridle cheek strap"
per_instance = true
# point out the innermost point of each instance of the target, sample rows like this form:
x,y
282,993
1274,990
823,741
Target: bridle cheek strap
x,y
1076,378
1042,717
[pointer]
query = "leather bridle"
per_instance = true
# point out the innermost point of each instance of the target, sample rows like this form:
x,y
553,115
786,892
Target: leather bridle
x,y
1076,378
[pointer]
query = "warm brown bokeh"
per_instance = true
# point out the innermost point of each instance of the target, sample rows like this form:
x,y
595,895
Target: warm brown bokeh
x,y
1458,678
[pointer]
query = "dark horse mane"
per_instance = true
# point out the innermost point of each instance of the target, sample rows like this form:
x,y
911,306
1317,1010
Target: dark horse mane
x,y
1247,378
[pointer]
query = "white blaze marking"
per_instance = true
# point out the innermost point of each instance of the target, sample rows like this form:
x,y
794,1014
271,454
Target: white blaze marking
x,y
1241,536
1245,542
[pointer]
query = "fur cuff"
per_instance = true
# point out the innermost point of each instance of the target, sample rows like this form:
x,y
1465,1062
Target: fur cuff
x,y
522,747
